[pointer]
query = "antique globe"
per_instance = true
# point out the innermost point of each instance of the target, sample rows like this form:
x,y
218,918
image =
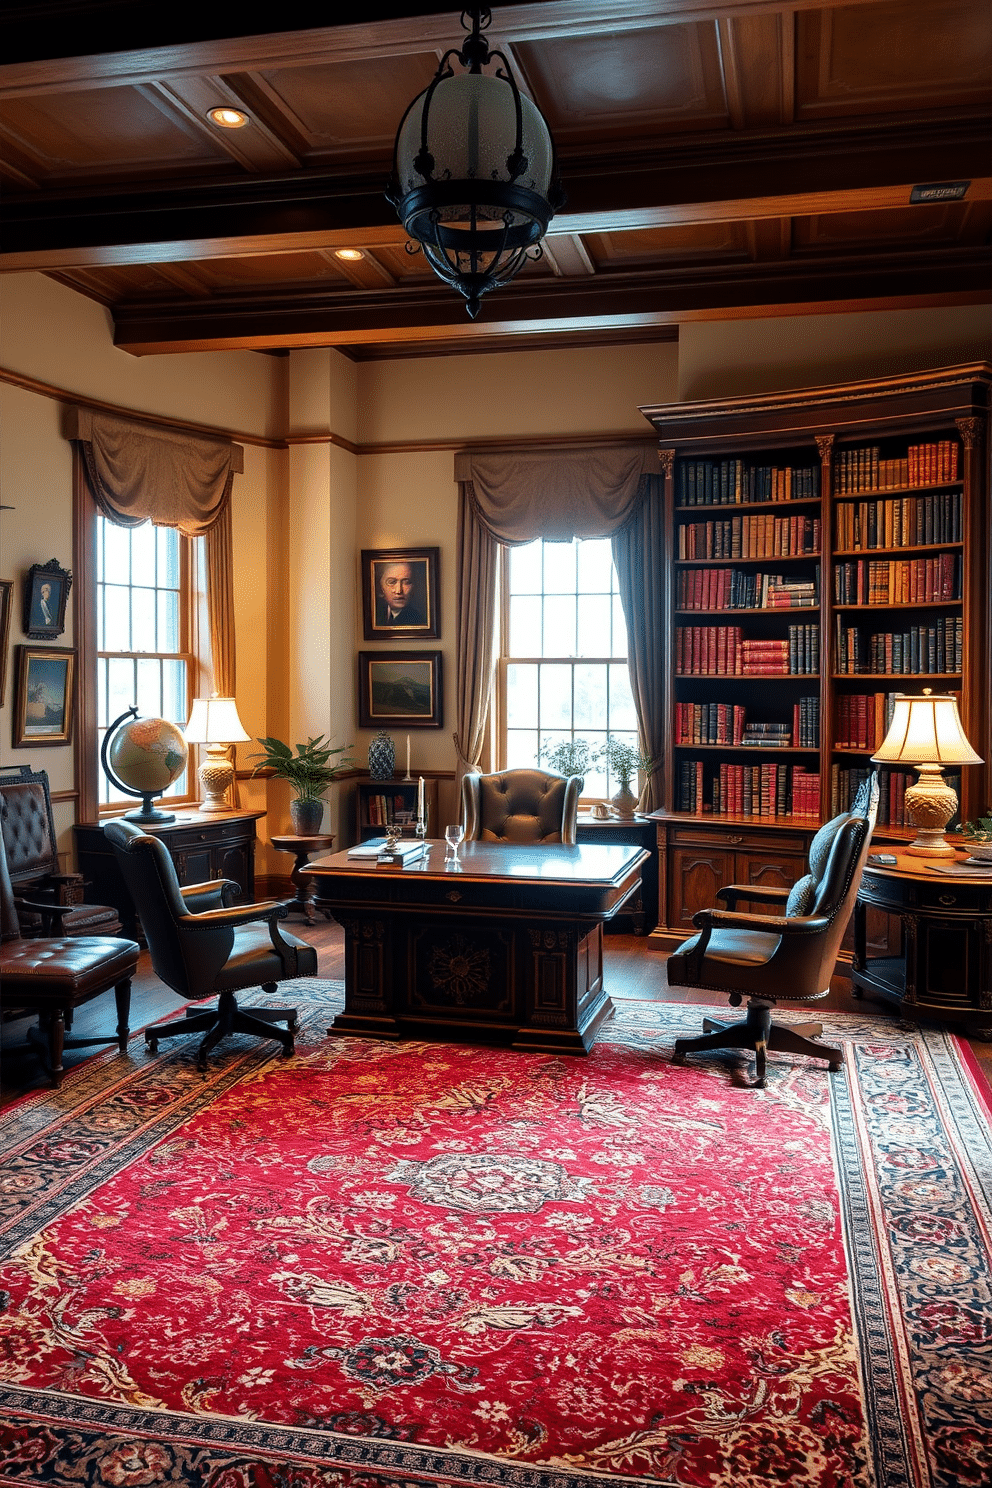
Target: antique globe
x,y
143,757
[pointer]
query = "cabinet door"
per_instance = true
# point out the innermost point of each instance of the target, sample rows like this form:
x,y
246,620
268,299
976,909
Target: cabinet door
x,y
768,869
696,874
236,860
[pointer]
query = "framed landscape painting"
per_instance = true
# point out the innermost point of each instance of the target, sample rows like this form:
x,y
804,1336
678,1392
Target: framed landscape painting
x,y
399,689
400,594
43,704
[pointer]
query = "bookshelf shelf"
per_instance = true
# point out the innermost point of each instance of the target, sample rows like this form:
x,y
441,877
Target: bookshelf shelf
x,y
864,461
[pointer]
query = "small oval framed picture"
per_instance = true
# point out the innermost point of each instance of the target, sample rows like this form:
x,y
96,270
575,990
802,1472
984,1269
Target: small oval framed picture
x,y
400,594
46,589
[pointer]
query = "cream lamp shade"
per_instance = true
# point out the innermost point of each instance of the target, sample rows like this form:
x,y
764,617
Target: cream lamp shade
x,y
926,732
214,721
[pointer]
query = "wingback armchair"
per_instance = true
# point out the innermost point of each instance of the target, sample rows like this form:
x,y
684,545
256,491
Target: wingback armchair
x,y
33,861
202,945
520,806
55,975
789,955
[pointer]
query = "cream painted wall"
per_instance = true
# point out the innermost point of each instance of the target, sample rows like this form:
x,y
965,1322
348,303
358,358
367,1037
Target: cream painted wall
x,y
720,359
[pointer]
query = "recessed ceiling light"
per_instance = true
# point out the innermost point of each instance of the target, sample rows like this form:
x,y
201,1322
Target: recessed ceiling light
x,y
228,118
351,254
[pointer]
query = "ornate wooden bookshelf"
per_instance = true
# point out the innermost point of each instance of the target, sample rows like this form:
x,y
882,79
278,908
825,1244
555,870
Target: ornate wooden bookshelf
x,y
907,431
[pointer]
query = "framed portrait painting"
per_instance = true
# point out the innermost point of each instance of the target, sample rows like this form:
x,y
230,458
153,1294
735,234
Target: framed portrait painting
x,y
44,698
400,594
46,589
399,689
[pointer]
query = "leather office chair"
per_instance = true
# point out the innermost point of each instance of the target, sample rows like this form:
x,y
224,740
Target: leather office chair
x,y
520,806
55,975
33,860
201,945
790,955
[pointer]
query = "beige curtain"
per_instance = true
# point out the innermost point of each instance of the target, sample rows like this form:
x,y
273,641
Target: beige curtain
x,y
510,497
139,472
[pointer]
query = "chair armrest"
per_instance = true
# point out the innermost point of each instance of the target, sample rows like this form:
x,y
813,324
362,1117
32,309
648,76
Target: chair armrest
x,y
52,914
756,893
239,914
723,919
218,893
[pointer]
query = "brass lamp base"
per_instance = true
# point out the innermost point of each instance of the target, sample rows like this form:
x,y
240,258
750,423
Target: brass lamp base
x,y
930,804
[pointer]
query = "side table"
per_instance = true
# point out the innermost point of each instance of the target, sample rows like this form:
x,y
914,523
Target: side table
x,y
944,968
302,847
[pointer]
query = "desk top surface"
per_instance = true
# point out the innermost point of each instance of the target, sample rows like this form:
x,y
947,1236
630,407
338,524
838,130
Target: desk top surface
x,y
929,870
498,862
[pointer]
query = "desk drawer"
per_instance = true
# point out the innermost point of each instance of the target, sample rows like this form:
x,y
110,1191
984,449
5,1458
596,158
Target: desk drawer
x,y
742,839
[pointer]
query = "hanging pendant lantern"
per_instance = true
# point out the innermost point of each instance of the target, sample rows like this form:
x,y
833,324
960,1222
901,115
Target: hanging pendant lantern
x,y
475,182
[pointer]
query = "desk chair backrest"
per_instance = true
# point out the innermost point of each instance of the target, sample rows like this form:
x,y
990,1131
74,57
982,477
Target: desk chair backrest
x,y
520,806
149,872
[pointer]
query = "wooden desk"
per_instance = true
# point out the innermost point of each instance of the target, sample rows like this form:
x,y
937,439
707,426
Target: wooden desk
x,y
203,845
506,947
944,967
640,914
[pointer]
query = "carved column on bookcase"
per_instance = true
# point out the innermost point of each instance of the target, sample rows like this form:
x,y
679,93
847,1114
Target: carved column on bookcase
x,y
825,445
976,783
666,459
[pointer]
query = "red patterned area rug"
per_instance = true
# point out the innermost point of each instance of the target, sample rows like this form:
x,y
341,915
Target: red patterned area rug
x,y
393,1266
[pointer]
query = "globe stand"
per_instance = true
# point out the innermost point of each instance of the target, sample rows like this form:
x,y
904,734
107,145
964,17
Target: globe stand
x,y
147,814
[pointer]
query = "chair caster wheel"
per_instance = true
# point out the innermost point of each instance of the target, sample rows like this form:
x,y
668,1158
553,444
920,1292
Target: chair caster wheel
x,y
833,1068
292,1024
289,1049
761,1084
151,1046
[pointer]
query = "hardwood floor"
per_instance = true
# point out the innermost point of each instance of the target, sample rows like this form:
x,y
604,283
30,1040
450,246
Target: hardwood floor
x,y
633,970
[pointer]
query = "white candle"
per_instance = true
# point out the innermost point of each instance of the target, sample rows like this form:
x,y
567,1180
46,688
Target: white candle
x,y
420,799
408,756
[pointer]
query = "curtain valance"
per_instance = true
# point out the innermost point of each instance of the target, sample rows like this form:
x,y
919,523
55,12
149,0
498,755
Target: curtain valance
x,y
556,494
139,471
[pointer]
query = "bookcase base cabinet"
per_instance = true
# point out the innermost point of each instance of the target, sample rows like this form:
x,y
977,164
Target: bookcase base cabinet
x,y
695,858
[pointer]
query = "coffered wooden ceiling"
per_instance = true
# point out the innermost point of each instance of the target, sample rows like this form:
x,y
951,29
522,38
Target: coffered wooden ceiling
x,y
746,157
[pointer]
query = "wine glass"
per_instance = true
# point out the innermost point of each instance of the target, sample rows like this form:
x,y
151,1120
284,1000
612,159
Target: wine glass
x,y
452,836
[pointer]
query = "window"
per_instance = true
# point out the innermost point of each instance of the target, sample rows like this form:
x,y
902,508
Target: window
x,y
563,665
143,626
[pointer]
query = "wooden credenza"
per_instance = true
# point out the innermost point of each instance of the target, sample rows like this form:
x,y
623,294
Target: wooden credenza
x,y
202,845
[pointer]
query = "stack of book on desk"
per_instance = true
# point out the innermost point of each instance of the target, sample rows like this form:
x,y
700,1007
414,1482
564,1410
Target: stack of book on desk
x,y
402,852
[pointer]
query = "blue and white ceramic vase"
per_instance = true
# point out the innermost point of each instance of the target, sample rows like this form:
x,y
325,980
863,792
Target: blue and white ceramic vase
x,y
382,757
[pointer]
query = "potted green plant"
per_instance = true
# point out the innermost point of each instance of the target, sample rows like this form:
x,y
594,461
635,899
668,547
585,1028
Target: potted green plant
x,y
567,757
309,770
623,761
978,837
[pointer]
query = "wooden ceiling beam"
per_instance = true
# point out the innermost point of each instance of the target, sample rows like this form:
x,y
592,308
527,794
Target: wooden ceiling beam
x,y
772,174
620,302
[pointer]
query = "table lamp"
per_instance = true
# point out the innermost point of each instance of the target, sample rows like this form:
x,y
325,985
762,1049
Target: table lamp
x,y
214,721
926,732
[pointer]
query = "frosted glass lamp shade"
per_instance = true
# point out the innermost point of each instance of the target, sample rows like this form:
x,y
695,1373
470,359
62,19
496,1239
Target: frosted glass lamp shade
x,y
214,721
926,732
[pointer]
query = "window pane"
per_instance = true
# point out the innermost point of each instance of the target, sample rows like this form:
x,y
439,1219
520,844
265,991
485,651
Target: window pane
x,y
556,697
590,698
116,619
121,687
525,627
521,697
116,552
167,540
622,715
143,620
594,626
595,566
559,568
143,554
521,748
619,629
149,687
559,626
174,691
526,568
168,620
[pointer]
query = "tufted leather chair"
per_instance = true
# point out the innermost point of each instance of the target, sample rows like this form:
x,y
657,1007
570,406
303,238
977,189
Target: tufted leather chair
x,y
520,806
203,946
790,955
33,860
53,976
